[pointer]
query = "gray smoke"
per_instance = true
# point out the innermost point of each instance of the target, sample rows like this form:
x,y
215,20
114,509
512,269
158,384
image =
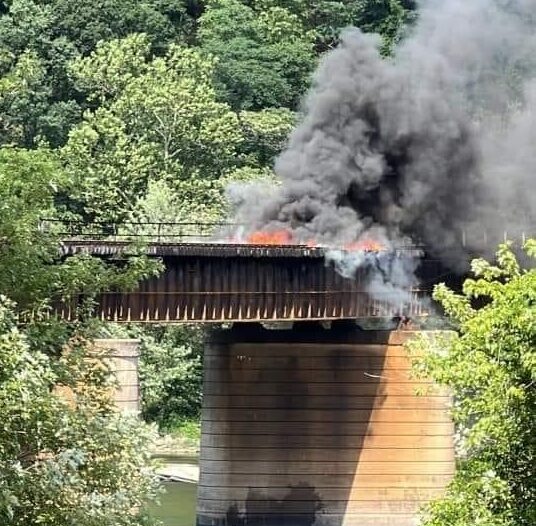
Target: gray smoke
x,y
389,274
433,147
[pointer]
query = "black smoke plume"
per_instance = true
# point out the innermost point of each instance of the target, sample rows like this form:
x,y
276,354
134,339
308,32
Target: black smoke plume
x,y
432,147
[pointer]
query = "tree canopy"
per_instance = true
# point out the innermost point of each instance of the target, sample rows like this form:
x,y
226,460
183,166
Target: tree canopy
x,y
490,368
180,92
65,459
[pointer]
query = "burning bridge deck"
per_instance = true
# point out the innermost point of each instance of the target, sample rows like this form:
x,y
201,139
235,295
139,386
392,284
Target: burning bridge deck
x,y
227,282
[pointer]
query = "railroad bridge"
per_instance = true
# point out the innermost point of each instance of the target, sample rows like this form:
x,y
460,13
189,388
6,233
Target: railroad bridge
x,y
223,282
310,417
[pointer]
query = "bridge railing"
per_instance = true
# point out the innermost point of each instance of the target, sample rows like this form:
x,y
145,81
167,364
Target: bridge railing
x,y
132,231
191,232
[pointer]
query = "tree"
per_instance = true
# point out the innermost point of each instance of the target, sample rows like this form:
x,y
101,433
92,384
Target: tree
x,y
385,17
265,58
55,32
27,184
85,23
27,114
45,109
32,271
326,18
171,374
195,201
265,135
490,367
65,460
158,120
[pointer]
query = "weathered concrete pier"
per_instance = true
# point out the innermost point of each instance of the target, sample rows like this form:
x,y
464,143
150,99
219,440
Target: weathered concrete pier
x,y
318,427
124,361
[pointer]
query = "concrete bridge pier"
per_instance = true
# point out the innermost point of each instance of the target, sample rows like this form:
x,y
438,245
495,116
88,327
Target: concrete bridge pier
x,y
124,360
318,427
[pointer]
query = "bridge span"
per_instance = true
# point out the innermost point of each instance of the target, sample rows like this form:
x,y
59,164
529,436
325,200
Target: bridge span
x,y
224,282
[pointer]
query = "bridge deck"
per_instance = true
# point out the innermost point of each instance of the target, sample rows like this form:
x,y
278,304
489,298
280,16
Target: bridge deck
x,y
216,282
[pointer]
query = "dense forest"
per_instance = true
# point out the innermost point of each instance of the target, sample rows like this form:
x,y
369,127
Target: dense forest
x,y
119,112
146,111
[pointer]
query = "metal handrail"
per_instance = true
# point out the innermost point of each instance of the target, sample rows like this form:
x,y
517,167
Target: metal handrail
x,y
74,229
109,223
71,229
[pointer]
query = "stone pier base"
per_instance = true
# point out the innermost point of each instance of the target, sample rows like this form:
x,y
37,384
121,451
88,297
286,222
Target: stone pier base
x,y
124,362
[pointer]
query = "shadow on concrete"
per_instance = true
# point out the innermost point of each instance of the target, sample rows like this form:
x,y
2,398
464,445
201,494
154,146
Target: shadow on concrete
x,y
262,510
284,425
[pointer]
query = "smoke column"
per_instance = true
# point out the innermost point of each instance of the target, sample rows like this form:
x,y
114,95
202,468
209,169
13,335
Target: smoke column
x,y
415,149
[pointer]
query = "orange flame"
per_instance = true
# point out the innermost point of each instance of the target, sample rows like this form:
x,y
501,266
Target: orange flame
x,y
275,237
285,237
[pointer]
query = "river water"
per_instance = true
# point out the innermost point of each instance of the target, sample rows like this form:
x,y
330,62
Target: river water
x,y
177,504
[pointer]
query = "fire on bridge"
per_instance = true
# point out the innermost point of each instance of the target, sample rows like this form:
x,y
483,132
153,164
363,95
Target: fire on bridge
x,y
223,282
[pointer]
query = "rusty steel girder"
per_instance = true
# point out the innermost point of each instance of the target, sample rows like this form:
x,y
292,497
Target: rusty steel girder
x,y
215,282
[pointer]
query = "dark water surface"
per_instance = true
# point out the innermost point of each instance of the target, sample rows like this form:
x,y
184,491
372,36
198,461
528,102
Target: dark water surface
x,y
177,504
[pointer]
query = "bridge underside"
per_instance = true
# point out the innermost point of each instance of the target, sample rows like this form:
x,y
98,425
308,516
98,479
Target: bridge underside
x,y
226,283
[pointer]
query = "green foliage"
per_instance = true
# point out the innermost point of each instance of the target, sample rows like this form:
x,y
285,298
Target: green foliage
x,y
206,200
65,456
491,369
27,184
31,269
266,49
385,17
56,32
170,371
326,18
170,374
136,108
60,462
26,113
264,59
194,200
44,108
265,135
188,429
86,22
159,120
105,168
109,69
